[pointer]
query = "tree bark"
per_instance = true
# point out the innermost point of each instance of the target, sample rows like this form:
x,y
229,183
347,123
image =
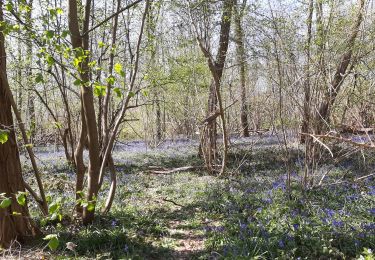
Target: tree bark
x,y
12,227
87,100
334,88
238,14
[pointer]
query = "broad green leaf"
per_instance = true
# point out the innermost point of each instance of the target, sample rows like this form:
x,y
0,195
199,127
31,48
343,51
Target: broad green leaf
x,y
77,82
5,203
111,80
91,206
118,68
21,198
131,94
3,137
99,90
101,44
53,241
53,207
9,6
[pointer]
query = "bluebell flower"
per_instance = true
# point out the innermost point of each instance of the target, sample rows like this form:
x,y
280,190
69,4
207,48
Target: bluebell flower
x,y
243,226
372,211
369,226
295,226
268,200
330,212
352,197
126,248
337,223
281,244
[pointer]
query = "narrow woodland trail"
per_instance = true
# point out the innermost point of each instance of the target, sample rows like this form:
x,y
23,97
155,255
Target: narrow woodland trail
x,y
178,201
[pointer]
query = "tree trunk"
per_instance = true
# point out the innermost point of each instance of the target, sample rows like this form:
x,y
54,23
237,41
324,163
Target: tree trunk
x,y
87,100
338,78
238,14
12,227
208,145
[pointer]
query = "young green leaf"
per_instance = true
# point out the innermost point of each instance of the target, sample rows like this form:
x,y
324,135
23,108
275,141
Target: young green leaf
x,y
5,203
99,90
21,198
53,241
3,137
118,92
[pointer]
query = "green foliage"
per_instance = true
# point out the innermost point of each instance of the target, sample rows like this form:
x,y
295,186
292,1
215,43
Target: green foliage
x,y
53,241
21,198
6,202
99,90
39,78
118,92
9,6
119,70
54,209
4,135
111,80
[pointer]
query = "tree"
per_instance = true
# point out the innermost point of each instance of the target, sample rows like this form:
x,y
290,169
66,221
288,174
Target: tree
x,y
215,100
238,15
15,222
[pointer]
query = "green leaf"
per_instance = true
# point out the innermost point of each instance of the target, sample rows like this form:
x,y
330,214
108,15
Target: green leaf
x,y
118,92
131,94
77,82
49,34
111,80
101,44
5,203
65,33
53,242
91,206
39,78
99,90
50,60
53,208
59,11
118,68
21,198
3,137
9,6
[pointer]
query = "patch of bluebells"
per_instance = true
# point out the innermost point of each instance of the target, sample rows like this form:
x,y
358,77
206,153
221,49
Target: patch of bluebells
x,y
371,191
276,226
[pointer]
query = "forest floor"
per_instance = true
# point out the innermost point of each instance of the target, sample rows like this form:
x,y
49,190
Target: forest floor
x,y
192,215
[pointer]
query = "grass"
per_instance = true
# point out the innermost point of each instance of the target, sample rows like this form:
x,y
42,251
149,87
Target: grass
x,y
192,215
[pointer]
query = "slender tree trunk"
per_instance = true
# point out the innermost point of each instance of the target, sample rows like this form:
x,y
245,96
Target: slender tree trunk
x,y
208,145
238,14
306,123
307,88
87,99
329,98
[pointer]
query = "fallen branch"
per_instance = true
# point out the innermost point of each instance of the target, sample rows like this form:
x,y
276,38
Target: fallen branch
x,y
157,170
341,139
171,201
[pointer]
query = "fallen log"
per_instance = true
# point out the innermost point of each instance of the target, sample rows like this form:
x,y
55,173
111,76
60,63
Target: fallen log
x,y
155,170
